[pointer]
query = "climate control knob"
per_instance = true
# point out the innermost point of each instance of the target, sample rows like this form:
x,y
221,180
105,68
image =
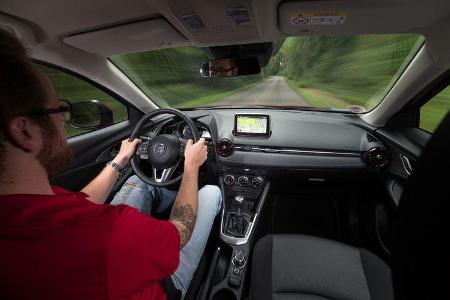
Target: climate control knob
x,y
228,179
243,180
257,182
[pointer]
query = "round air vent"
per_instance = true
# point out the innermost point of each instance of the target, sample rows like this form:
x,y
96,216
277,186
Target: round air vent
x,y
377,157
224,147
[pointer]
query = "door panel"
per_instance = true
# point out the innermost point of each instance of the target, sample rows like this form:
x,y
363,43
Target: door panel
x,y
92,151
405,147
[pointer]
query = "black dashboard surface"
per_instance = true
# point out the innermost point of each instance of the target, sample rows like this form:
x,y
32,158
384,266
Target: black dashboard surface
x,y
296,129
298,139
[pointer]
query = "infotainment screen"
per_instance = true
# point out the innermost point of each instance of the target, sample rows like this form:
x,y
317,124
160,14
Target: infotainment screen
x,y
246,124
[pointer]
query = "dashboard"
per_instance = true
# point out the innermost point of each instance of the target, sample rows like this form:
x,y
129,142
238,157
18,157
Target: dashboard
x,y
282,142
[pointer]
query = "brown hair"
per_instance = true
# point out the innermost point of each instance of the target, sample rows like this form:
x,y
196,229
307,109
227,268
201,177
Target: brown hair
x,y
21,90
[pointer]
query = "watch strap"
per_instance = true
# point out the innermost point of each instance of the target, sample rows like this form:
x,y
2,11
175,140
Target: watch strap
x,y
115,166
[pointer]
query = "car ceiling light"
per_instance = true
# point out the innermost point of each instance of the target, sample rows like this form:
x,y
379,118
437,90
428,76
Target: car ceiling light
x,y
239,14
192,21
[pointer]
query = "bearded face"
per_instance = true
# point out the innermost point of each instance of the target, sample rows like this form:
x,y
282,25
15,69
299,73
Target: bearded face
x,y
55,153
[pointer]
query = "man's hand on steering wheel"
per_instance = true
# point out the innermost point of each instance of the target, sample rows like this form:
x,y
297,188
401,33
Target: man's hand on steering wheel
x,y
195,155
127,150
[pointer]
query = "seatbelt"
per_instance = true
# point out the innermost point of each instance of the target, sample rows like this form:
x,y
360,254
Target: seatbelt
x,y
169,288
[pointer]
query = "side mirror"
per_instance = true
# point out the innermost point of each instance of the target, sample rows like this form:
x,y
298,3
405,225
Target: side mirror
x,y
91,114
230,67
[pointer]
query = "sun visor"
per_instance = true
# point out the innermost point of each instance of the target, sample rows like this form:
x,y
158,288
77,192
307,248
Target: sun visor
x,y
131,37
351,17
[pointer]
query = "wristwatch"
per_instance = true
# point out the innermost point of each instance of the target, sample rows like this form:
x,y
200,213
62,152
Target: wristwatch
x,y
115,166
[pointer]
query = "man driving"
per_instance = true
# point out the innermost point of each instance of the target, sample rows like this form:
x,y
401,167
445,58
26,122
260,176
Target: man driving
x,y
226,67
56,244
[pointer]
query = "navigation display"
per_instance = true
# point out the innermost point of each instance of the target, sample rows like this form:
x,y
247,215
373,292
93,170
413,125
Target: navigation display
x,y
251,124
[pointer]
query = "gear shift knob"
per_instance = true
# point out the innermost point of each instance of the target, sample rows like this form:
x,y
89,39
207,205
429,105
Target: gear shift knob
x,y
239,202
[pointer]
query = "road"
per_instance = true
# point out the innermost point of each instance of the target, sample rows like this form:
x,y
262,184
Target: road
x,y
274,91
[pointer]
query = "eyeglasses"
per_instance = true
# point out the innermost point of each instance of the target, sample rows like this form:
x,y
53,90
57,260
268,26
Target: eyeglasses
x,y
222,69
65,108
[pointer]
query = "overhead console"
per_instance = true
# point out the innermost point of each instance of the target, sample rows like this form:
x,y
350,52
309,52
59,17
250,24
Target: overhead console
x,y
205,21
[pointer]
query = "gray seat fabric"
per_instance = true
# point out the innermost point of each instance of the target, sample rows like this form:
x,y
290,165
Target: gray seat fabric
x,y
311,268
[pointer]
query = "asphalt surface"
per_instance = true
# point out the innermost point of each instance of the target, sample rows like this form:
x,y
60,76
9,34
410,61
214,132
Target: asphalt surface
x,y
274,91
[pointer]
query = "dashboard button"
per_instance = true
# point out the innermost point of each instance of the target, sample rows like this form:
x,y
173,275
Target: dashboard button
x,y
234,281
257,182
243,180
239,259
228,179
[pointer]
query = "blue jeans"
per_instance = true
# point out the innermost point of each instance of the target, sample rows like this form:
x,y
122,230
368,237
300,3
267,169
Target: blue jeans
x,y
140,195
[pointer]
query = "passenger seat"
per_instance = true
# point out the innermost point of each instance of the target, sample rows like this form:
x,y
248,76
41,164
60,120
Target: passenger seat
x,y
312,268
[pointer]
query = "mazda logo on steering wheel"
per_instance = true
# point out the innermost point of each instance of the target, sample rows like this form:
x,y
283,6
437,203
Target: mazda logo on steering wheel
x,y
159,149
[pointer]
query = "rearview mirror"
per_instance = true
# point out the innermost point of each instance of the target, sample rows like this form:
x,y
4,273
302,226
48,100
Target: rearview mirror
x,y
91,114
230,67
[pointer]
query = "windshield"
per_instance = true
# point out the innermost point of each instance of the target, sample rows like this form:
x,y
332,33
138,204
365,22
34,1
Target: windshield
x,y
351,73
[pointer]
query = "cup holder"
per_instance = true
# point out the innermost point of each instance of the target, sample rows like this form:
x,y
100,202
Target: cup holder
x,y
220,273
224,294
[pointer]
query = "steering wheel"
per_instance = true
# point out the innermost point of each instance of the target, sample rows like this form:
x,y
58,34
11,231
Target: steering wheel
x,y
163,151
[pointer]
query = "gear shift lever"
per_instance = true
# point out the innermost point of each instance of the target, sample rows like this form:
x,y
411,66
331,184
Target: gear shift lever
x,y
239,201
237,222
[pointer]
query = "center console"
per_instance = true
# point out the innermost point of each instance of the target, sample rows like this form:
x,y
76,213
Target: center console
x,y
244,192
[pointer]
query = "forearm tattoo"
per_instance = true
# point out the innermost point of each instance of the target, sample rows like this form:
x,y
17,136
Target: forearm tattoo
x,y
183,216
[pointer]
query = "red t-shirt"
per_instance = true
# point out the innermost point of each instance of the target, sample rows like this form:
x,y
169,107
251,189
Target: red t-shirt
x,y
65,247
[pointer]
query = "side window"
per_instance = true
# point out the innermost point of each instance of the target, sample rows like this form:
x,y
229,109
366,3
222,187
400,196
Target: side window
x,y
74,89
432,113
